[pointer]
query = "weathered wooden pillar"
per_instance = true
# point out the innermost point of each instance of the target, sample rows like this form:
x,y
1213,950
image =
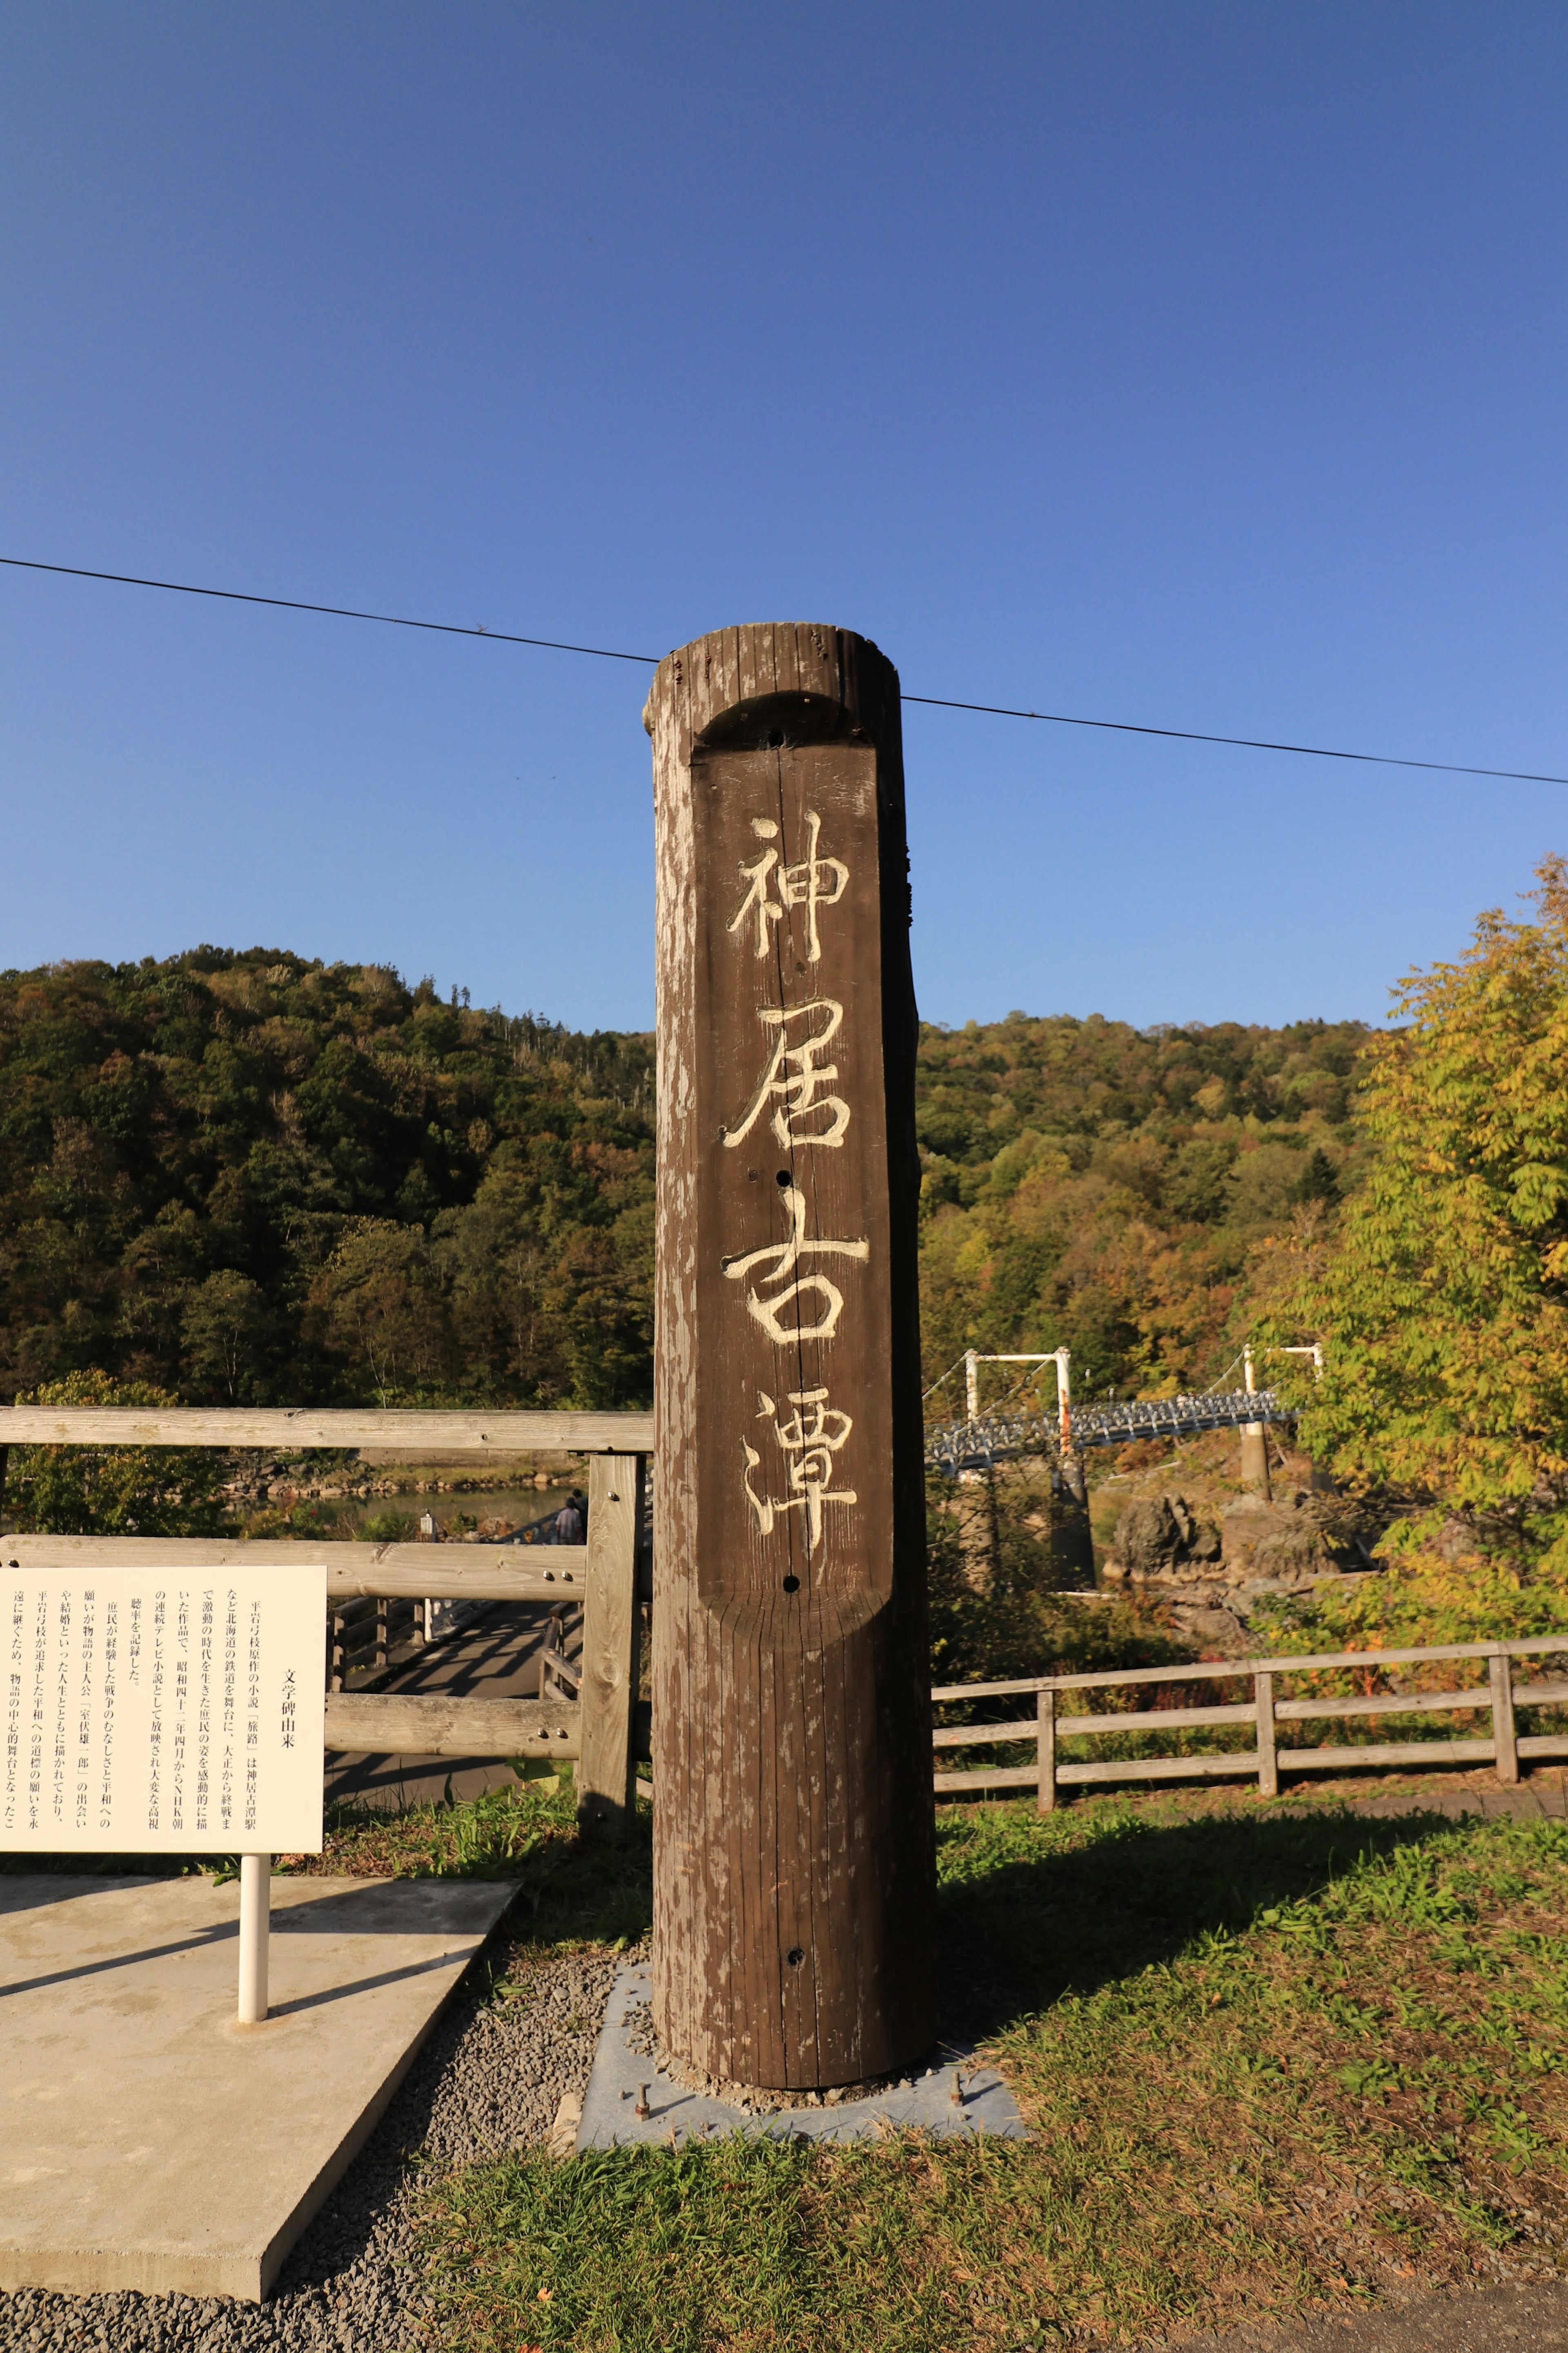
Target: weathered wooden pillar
x,y
794,1899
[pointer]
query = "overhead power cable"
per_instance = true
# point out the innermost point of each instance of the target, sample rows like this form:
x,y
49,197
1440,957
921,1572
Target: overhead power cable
x,y
339,612
932,702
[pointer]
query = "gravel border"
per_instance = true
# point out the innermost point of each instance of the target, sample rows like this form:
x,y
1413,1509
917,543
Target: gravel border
x,y
487,2080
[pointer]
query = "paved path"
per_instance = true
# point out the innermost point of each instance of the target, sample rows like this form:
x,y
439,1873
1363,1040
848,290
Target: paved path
x,y
1531,2319
497,1657
1543,1795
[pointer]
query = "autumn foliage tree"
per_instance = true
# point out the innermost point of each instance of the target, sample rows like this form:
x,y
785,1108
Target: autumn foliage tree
x,y
1443,1300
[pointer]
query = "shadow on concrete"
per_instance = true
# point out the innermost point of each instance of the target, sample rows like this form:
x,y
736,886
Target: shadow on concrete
x,y
371,1910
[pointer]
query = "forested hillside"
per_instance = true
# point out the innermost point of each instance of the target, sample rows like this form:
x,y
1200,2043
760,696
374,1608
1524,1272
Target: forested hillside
x,y
251,1178
254,1178
1115,1190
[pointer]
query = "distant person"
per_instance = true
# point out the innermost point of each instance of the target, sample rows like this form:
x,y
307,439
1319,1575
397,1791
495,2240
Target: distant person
x,y
570,1520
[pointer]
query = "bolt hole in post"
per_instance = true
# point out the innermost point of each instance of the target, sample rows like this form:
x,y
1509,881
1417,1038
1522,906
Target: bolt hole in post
x,y
783,1180
255,1924
796,1954
792,1585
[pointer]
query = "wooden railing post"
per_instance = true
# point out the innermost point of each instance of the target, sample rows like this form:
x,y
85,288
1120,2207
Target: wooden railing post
x,y
1267,1758
1045,1752
609,1645
1500,1666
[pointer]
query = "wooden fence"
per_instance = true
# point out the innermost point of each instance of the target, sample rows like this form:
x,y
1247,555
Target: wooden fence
x,y
1498,1698
600,1728
588,1711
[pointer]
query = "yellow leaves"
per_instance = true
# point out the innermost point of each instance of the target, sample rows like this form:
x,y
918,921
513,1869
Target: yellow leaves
x,y
1448,1356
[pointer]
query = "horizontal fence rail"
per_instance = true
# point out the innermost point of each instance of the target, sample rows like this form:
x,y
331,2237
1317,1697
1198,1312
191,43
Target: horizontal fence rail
x,y
403,1571
287,1428
1499,1697
603,1730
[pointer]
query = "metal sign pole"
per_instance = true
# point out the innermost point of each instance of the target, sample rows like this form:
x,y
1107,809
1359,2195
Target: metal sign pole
x,y
255,1925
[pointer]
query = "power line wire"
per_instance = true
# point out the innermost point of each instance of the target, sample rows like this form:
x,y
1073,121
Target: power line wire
x,y
1242,742
341,612
931,702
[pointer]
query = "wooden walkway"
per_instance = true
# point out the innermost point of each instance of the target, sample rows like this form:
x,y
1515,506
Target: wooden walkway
x,y
497,1657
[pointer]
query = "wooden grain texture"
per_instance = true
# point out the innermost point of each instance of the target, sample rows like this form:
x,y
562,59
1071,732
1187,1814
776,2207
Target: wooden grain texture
x,y
414,1572
289,1427
1236,1669
608,1681
985,1736
1267,1747
1307,1711
1388,1752
1164,1769
393,1724
1552,1694
998,1777
1046,1752
1504,1748
794,1875
1155,1719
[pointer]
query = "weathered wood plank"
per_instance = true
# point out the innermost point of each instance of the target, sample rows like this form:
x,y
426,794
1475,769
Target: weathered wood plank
x,y
291,1427
1154,1719
1389,1752
1306,1711
394,1723
1000,1777
983,1735
1236,1670
1046,1754
1242,1766
608,1682
414,1572
794,1877
1543,1744
1264,1709
1504,1750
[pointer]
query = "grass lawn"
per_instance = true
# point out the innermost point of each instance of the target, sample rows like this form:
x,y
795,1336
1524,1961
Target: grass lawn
x,y
1270,2061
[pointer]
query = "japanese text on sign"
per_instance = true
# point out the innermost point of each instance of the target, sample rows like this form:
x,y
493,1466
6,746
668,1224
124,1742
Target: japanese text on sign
x,y
788,1288
158,1711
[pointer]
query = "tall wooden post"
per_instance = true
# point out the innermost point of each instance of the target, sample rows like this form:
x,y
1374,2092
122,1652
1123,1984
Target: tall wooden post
x,y
794,1880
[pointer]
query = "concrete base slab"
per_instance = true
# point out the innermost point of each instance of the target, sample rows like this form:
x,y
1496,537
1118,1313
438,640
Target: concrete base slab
x,y
146,2139
922,2103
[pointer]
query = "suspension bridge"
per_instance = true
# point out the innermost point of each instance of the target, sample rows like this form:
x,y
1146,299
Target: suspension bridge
x,y
981,1439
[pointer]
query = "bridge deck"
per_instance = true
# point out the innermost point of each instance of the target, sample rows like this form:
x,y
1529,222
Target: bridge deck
x,y
497,1656
1002,1437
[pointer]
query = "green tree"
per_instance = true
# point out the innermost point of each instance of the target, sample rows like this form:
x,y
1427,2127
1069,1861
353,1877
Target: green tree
x,y
1443,1303
226,1336
109,1491
378,1305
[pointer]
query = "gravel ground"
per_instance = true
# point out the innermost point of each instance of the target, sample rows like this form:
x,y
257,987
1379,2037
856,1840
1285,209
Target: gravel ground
x,y
489,2080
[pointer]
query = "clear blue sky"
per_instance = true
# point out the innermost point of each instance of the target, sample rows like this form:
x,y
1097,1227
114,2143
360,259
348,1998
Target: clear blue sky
x,y
1197,365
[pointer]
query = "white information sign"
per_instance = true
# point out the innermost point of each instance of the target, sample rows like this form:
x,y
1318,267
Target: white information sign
x,y
163,1711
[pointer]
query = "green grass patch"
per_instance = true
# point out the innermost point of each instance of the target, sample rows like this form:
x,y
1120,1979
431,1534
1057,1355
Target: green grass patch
x,y
570,1890
1271,2061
